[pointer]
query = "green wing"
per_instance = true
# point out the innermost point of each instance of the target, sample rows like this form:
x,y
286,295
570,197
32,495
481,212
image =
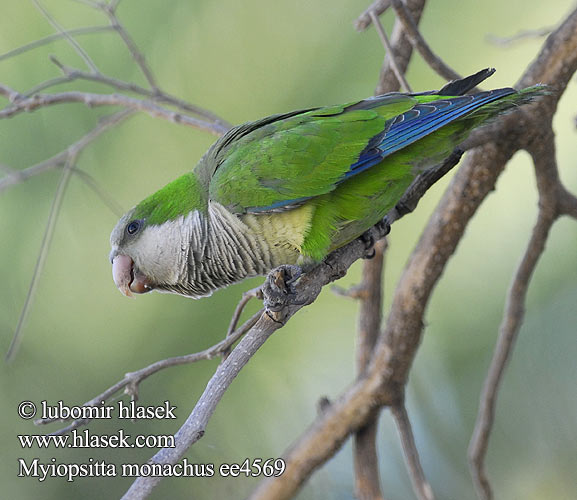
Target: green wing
x,y
280,161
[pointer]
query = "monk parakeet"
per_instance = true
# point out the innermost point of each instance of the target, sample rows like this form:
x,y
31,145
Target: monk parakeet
x,y
292,187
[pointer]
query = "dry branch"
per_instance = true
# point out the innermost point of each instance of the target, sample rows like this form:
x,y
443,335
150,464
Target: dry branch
x,y
38,101
397,345
383,380
366,463
131,381
419,43
402,49
421,486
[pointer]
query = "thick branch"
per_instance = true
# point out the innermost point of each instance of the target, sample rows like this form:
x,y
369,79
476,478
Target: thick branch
x,y
367,483
395,351
419,43
402,49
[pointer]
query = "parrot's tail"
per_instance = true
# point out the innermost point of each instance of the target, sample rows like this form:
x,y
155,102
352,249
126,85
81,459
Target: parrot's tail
x,y
509,101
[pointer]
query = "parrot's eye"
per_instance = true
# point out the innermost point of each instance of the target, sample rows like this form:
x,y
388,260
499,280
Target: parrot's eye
x,y
133,227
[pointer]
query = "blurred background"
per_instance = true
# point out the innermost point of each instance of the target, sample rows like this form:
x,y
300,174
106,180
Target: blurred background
x,y
245,60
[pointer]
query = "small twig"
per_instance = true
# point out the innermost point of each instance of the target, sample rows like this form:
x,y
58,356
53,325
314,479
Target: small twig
x,y
68,159
72,74
365,20
193,429
419,43
550,188
512,319
385,40
45,85
524,34
9,93
403,49
254,293
355,292
47,238
90,99
110,11
132,380
52,38
18,176
75,45
421,486
102,193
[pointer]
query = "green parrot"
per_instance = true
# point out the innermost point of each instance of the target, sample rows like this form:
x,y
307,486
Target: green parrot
x,y
291,188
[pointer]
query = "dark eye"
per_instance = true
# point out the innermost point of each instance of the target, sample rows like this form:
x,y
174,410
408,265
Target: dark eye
x,y
133,227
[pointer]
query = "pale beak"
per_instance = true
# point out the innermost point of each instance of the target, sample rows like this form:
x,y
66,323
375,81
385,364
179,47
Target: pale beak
x,y
122,273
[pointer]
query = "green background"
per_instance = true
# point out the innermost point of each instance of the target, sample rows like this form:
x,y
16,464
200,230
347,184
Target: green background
x,y
244,60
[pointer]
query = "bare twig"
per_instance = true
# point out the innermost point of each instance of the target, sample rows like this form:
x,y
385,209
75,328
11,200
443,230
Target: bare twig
x,y
67,158
421,486
549,188
254,293
90,99
158,95
47,238
402,48
355,292
385,40
110,11
514,313
102,193
9,93
75,45
54,37
18,176
521,35
365,20
419,43
131,381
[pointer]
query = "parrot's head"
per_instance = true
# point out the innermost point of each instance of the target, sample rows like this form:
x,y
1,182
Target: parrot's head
x,y
155,243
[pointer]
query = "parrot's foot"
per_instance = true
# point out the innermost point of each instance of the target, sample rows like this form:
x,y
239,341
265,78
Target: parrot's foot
x,y
382,229
278,288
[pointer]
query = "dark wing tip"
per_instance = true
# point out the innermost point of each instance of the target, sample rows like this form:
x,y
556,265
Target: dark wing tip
x,y
464,85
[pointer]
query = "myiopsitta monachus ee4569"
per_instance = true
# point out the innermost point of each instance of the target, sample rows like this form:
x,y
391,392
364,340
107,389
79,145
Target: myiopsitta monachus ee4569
x,y
291,188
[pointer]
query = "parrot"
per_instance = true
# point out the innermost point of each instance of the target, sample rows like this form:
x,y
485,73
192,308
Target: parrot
x,y
291,188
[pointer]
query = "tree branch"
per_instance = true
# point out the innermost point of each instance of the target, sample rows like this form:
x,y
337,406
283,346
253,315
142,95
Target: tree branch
x,y
366,463
17,176
131,381
508,331
421,486
365,19
389,50
419,43
395,350
402,49
90,99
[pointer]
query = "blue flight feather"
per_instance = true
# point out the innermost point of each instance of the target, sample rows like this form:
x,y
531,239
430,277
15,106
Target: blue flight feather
x,y
419,122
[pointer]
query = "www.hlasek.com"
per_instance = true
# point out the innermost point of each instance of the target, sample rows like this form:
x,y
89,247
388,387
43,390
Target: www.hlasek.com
x,y
100,468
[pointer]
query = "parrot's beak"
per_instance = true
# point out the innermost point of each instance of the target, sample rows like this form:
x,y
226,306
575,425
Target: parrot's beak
x,y
125,277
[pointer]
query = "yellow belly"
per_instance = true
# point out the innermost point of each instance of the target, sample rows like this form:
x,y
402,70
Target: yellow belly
x,y
283,232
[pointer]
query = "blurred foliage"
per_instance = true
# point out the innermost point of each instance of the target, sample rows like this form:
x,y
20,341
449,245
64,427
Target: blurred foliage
x,y
244,60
